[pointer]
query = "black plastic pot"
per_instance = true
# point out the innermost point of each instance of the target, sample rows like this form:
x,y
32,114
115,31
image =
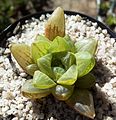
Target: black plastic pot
x,y
12,29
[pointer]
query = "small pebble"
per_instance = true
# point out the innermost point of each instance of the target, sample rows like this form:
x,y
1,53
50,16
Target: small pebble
x,y
108,118
7,51
113,80
52,118
112,40
15,118
108,86
94,24
4,109
22,118
41,116
20,106
104,31
23,75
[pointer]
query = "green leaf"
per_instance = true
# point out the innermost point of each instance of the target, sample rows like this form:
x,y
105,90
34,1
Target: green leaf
x,y
42,81
28,90
70,43
41,38
85,82
87,44
69,77
58,72
44,64
85,63
82,101
68,60
39,49
59,44
31,69
21,53
62,92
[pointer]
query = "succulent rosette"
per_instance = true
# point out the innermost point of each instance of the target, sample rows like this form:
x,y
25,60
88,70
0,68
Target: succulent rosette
x,y
59,66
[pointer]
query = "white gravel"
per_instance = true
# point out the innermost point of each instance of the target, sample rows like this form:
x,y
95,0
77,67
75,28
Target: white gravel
x,y
17,107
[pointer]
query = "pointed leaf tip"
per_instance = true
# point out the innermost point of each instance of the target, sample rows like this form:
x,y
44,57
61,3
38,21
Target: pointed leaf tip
x,y
55,25
28,90
21,53
69,77
87,44
42,81
82,101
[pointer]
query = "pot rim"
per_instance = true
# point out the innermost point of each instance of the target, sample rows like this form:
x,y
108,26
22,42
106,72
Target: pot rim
x,y
7,32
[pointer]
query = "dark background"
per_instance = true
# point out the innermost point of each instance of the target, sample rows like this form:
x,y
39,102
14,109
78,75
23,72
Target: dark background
x,y
12,10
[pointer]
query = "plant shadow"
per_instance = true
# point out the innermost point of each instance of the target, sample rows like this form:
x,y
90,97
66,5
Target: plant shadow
x,y
102,73
59,110
103,105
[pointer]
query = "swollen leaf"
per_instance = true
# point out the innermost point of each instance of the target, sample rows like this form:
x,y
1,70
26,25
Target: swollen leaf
x,y
28,90
41,38
21,53
39,49
85,63
31,69
44,64
42,81
59,44
87,44
86,81
69,77
68,60
62,92
58,72
82,101
70,43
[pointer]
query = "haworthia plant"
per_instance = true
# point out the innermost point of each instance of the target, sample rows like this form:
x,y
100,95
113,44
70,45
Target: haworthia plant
x,y
59,66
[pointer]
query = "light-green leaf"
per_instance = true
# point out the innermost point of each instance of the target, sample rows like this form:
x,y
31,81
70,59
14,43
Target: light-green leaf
x,y
41,38
44,64
31,69
85,63
62,92
39,49
59,44
28,90
68,60
42,81
69,77
58,72
70,43
87,44
82,101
